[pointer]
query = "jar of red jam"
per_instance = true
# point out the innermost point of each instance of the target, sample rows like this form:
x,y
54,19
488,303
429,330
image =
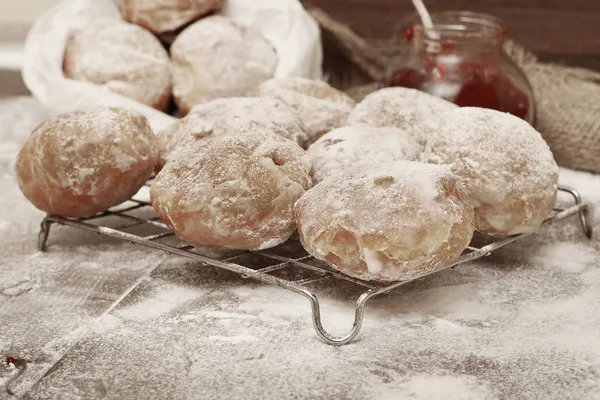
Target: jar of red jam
x,y
462,60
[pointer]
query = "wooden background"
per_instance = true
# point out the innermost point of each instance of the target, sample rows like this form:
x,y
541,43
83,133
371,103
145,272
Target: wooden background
x,y
563,31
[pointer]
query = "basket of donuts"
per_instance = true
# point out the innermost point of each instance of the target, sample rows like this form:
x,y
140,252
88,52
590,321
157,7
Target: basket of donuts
x,y
161,58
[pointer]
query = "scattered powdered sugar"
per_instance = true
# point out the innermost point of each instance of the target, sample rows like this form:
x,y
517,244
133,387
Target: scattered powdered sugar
x,y
570,257
166,299
352,146
16,287
235,114
233,339
258,302
227,315
18,118
126,58
432,387
391,221
216,57
411,110
321,107
234,191
106,323
505,164
161,16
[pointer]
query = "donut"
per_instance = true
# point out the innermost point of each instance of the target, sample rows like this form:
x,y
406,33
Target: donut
x,y
80,163
351,146
321,107
390,222
408,109
505,164
222,116
125,58
234,191
160,16
215,57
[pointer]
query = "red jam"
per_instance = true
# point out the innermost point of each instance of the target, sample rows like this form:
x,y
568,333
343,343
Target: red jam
x,y
478,89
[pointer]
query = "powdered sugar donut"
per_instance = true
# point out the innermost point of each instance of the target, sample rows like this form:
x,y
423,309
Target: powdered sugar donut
x,y
161,16
215,57
234,191
408,109
360,146
222,116
126,58
390,222
504,163
79,163
321,107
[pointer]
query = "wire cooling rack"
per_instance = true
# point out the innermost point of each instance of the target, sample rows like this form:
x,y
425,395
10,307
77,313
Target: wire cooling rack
x,y
287,266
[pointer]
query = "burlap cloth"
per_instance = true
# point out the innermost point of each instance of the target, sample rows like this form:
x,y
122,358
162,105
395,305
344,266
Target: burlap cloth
x,y
568,99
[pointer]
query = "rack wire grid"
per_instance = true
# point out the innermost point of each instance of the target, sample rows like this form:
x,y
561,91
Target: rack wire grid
x,y
288,255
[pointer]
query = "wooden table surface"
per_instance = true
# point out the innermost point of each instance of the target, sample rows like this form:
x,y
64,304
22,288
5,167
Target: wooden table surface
x,y
563,31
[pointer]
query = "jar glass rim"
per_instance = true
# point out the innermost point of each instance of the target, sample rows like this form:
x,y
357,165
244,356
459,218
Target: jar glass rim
x,y
457,24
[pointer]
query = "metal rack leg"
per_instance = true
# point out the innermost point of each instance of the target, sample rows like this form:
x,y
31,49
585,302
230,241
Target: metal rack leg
x,y
326,336
43,235
583,214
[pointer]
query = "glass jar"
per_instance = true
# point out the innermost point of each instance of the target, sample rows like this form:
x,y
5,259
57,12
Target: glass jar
x,y
462,60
